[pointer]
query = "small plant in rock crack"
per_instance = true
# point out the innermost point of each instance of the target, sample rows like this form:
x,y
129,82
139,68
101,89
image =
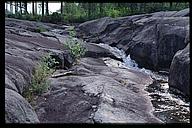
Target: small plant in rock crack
x,y
39,83
76,47
71,31
51,62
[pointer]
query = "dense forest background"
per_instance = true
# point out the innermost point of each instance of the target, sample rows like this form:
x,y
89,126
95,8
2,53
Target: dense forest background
x,y
80,12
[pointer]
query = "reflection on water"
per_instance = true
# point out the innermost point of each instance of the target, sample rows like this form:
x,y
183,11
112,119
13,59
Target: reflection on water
x,y
168,107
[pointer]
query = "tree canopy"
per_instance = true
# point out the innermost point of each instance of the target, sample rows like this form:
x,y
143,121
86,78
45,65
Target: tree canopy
x,y
80,12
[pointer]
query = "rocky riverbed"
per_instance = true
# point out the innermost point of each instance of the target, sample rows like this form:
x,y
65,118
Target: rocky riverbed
x,y
105,86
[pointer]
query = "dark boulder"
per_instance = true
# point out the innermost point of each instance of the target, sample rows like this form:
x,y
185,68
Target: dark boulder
x,y
179,76
156,44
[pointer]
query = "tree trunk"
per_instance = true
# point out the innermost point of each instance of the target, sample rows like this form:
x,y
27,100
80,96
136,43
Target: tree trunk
x,y
33,8
6,6
61,7
131,7
25,7
162,4
93,9
89,10
118,5
47,8
42,8
144,7
20,7
11,6
16,7
171,4
101,9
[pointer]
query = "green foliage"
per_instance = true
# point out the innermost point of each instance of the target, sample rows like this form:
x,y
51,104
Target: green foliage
x,y
73,12
18,15
112,12
55,17
51,62
76,47
71,31
39,83
41,29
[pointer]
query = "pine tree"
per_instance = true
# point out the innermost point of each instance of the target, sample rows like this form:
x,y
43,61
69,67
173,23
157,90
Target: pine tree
x,y
47,8
43,8
33,8
61,7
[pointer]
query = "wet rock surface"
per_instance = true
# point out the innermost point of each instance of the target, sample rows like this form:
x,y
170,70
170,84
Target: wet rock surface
x,y
151,39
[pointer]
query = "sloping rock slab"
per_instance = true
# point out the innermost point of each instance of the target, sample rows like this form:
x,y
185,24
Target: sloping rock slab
x,y
96,93
23,50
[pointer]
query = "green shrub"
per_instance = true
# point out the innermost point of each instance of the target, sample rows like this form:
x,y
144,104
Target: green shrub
x,y
112,12
51,62
55,18
71,31
39,83
76,47
41,29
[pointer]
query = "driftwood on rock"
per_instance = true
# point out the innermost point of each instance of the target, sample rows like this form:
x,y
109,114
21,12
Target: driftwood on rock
x,y
62,74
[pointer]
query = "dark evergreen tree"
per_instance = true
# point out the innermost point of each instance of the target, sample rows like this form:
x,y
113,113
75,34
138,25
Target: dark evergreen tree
x,y
47,8
42,8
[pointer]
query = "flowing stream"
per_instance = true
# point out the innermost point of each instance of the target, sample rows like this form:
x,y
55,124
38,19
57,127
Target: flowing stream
x,y
168,107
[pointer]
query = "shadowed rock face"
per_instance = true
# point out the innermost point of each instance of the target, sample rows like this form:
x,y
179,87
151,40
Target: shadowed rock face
x,y
151,39
179,76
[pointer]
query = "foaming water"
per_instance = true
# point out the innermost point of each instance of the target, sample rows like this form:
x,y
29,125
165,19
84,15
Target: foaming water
x,y
168,107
